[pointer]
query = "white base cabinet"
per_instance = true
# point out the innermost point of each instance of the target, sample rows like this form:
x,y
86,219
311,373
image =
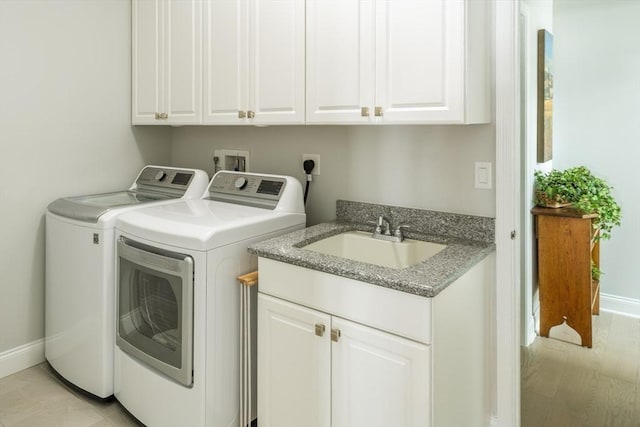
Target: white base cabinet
x,y
335,352
328,371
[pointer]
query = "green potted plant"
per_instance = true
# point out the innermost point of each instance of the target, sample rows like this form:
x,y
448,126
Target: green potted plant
x,y
582,190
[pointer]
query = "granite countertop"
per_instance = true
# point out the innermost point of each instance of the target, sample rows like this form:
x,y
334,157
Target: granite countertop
x,y
426,279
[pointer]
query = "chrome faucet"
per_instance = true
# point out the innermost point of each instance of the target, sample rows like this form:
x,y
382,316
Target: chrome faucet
x,y
383,231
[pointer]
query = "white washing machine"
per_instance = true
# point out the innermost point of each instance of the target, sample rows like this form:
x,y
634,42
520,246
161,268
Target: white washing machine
x,y
177,354
80,272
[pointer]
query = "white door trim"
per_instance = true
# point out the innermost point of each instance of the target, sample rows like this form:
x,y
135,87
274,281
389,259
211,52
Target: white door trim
x,y
507,408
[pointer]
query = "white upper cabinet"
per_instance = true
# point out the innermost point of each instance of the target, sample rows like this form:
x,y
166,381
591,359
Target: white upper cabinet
x,y
254,61
316,61
166,62
340,60
401,61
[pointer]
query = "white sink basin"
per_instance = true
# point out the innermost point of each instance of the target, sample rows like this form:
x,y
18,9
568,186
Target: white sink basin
x,y
360,246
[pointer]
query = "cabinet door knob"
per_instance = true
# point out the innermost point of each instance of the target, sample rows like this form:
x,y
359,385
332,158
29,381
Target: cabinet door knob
x,y
251,114
378,111
320,329
242,114
157,116
335,335
364,111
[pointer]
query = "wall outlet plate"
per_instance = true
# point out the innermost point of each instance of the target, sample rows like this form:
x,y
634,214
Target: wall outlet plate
x,y
316,160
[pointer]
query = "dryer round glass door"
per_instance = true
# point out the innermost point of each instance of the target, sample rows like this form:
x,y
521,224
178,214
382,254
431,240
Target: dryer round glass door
x,y
155,308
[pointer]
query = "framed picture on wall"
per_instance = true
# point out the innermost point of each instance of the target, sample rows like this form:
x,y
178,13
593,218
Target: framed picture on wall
x,y
545,96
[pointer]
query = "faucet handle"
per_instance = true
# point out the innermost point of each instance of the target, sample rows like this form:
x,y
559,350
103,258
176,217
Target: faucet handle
x,y
378,227
383,222
398,230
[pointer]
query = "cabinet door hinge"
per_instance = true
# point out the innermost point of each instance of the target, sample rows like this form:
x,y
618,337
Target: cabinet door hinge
x,y
513,235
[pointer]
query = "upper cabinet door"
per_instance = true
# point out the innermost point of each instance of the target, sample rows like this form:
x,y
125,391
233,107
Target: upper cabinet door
x,y
166,62
420,60
147,74
226,61
183,61
431,61
340,61
277,61
400,61
254,62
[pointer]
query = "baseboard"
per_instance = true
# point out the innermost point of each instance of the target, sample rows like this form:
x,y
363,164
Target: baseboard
x,y
533,324
23,357
620,305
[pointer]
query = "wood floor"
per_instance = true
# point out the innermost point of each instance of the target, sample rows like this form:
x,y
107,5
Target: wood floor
x,y
565,385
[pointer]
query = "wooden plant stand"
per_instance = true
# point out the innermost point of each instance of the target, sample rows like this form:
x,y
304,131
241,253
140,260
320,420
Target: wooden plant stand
x,y
567,244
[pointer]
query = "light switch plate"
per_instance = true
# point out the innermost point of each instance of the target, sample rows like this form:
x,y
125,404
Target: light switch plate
x,y
483,178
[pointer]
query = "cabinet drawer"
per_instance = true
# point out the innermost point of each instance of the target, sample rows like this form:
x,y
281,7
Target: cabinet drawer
x,y
397,312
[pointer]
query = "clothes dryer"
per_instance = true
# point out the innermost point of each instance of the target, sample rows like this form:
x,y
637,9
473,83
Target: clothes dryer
x,y
80,272
177,354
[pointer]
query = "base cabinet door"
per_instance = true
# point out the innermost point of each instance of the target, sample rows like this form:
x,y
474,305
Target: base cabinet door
x,y
317,370
378,379
293,365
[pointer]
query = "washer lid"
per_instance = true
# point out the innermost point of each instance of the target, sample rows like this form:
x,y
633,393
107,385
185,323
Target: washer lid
x,y
90,208
154,183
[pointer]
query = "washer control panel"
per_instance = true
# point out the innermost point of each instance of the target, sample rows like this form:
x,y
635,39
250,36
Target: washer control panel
x,y
248,189
154,177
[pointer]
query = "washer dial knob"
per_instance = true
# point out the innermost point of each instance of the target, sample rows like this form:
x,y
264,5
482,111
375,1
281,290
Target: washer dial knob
x,y
241,183
160,175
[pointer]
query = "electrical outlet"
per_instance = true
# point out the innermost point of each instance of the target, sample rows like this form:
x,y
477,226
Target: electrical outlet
x,y
316,160
483,179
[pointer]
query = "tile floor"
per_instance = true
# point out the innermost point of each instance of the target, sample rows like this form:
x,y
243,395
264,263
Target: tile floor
x,y
36,398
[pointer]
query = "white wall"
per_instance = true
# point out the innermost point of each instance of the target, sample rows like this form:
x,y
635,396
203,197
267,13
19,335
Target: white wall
x,y
535,15
64,130
427,167
596,117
